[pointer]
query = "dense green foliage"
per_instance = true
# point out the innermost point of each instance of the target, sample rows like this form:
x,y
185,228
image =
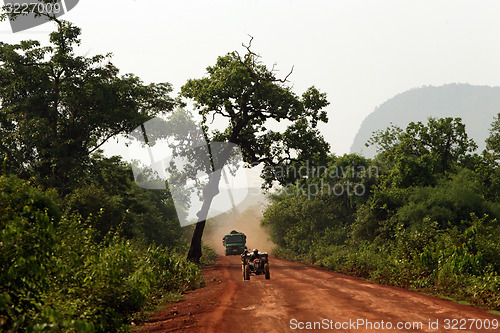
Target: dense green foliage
x,y
83,248
58,108
57,273
429,218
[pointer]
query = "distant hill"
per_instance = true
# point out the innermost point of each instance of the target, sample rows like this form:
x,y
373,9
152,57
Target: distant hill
x,y
476,105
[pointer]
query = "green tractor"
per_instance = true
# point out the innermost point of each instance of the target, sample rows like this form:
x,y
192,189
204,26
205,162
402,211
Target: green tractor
x,y
234,243
255,263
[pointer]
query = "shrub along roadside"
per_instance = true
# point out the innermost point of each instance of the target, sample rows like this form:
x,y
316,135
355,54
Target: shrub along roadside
x,y
459,264
55,276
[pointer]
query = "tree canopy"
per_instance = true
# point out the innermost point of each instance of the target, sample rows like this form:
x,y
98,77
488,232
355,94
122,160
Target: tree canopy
x,y
248,94
57,108
493,141
424,151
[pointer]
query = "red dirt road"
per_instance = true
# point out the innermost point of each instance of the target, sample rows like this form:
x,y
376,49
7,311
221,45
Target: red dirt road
x,y
298,295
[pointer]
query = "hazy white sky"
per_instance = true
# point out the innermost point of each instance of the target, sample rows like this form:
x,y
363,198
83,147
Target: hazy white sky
x,y
361,53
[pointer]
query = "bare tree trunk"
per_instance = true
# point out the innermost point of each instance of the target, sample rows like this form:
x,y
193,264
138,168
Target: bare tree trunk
x,y
195,253
209,193
211,190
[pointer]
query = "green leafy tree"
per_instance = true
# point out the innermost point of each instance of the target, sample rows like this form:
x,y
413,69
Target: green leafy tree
x,y
488,165
451,202
112,201
423,152
249,96
493,141
57,108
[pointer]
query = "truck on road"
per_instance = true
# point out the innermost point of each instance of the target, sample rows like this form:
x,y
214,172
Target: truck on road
x,y
234,242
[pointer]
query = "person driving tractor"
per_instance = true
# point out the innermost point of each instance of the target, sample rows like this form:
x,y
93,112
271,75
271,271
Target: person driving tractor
x,y
255,263
254,255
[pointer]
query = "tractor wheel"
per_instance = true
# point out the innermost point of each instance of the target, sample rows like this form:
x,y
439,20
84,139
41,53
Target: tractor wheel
x,y
246,272
266,271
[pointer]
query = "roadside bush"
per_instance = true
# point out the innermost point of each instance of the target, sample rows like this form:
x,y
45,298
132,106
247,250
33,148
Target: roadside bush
x,y
56,277
26,246
208,256
459,262
105,285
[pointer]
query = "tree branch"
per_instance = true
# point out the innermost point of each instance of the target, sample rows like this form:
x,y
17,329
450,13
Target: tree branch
x,y
105,140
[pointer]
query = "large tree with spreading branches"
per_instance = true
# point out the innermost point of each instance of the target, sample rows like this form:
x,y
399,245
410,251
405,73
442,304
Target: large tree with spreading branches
x,y
57,108
249,95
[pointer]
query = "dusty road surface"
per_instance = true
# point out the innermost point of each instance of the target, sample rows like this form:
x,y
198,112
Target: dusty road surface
x,y
301,298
